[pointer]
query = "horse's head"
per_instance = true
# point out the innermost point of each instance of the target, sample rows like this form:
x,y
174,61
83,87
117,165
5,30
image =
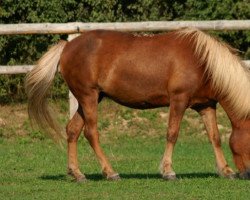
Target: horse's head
x,y
240,146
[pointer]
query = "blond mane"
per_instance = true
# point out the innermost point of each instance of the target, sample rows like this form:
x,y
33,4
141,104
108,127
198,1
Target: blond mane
x,y
230,76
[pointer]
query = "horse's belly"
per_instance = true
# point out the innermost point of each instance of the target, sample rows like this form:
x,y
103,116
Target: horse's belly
x,y
140,99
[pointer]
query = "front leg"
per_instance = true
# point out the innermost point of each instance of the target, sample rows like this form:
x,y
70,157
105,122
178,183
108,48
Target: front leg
x,y
178,104
209,118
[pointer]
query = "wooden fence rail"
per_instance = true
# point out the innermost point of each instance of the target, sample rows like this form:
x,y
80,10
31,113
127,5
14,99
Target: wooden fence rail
x,y
15,69
77,27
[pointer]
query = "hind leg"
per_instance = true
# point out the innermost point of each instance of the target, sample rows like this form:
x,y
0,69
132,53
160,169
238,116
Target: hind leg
x,y
209,118
73,130
89,104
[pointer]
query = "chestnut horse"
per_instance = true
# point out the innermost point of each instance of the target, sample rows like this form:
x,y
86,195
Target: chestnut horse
x,y
181,69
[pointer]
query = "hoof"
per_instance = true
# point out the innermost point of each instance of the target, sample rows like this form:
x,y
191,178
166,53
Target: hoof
x,y
114,177
169,176
80,179
231,176
244,175
226,172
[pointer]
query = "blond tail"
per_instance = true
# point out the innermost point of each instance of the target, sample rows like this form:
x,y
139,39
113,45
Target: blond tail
x,y
37,84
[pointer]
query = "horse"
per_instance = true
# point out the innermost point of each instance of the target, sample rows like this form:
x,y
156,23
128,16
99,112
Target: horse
x,y
182,69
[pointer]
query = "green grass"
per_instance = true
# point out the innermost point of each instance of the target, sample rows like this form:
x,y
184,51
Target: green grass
x,y
32,167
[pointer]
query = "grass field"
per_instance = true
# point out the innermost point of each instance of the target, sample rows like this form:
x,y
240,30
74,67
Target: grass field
x,y
33,167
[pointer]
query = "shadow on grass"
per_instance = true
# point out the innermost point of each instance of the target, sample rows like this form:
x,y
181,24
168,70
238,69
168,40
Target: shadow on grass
x,y
58,177
197,175
179,176
99,177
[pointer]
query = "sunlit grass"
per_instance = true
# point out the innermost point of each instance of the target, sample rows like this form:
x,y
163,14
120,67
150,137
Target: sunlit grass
x,y
32,167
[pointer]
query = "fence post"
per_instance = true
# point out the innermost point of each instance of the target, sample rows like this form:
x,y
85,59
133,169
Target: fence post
x,y
73,103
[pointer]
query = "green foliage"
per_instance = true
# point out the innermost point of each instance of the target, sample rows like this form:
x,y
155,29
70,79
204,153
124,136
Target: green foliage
x,y
217,9
25,49
222,9
11,87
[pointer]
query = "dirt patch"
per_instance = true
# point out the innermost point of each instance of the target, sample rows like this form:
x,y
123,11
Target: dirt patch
x,y
112,119
12,119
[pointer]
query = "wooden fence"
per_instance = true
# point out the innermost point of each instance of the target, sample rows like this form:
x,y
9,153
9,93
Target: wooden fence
x,y
73,29
78,27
